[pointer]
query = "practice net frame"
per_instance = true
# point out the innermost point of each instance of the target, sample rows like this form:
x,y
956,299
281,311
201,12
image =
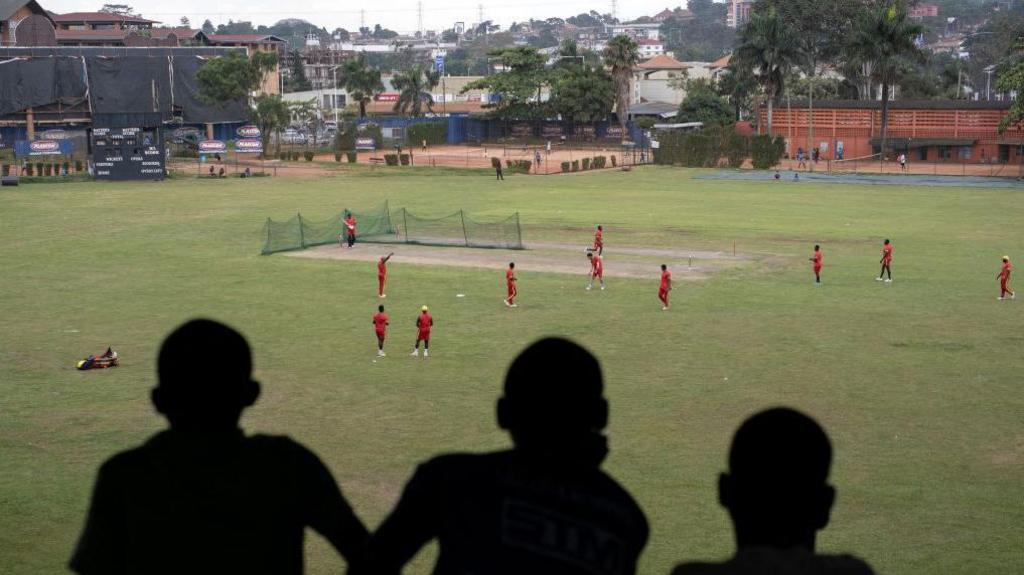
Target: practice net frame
x,y
383,226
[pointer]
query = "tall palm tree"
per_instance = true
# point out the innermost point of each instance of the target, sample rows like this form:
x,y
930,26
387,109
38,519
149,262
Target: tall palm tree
x,y
362,81
414,87
883,39
621,56
767,50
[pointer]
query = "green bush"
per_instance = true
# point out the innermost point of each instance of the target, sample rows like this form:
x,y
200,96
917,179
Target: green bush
x,y
523,166
308,156
765,151
39,168
65,168
599,162
565,166
735,148
510,164
586,164
352,157
404,158
391,159
346,138
5,170
371,131
48,169
78,166
28,169
337,157
575,165
435,133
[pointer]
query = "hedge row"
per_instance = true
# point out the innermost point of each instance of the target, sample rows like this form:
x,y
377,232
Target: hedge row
x,y
716,146
45,168
435,133
595,163
519,166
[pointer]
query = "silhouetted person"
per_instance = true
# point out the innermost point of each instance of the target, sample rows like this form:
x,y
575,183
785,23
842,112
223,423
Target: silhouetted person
x,y
202,497
778,496
542,507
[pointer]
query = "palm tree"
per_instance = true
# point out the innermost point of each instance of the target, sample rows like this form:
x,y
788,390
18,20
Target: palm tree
x,y
621,56
883,39
414,87
767,50
361,81
270,114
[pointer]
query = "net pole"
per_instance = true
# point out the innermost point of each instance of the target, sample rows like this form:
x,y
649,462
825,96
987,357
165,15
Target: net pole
x,y
405,225
519,232
302,234
465,236
266,246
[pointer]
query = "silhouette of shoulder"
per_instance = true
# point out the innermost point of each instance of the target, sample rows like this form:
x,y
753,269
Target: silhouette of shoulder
x,y
508,511
204,503
795,561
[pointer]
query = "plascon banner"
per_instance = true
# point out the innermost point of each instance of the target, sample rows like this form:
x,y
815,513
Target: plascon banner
x,y
249,131
366,144
43,147
212,146
249,146
54,135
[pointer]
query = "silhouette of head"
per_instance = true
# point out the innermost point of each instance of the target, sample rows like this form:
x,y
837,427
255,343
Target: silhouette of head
x,y
886,242
1006,258
424,309
205,377
380,308
816,247
664,267
590,255
776,489
554,403
512,265
599,228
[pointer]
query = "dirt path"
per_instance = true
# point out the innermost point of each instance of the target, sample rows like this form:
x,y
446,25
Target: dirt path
x,y
542,257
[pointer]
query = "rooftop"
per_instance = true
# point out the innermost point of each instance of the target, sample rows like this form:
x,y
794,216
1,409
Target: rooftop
x,y
100,17
242,38
661,62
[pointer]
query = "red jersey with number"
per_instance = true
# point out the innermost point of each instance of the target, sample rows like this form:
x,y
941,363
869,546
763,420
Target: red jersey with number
x,y
887,253
666,276
380,322
598,241
596,266
1005,274
817,259
382,268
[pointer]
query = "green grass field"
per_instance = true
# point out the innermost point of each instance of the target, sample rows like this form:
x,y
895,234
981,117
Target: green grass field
x,y
918,383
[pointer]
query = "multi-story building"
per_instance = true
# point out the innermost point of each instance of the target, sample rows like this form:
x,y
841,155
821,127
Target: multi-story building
x,y
636,30
923,11
650,48
738,12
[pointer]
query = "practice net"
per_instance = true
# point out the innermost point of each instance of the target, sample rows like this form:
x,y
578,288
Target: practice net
x,y
383,226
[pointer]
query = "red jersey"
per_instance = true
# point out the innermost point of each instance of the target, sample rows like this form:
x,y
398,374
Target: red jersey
x,y
887,253
817,259
350,225
1006,270
598,241
382,268
510,277
424,322
595,264
666,276
380,322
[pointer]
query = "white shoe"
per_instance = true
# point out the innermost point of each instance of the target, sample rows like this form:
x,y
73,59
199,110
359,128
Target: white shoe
x,y
415,353
602,288
383,295
588,288
506,303
426,353
380,353
664,308
888,281
514,305
1000,298
1013,295
878,279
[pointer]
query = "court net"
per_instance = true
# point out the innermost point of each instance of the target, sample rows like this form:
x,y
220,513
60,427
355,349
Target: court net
x,y
298,232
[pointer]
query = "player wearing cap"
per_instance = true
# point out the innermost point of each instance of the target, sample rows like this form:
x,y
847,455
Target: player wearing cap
x,y
510,281
596,270
1004,280
665,287
423,323
380,326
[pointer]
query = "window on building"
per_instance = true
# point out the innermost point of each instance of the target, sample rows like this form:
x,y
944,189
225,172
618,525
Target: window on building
x,y
965,153
922,154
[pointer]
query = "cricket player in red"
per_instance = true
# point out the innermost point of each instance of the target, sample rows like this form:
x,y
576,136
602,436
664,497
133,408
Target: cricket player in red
x,y
510,281
423,323
1004,280
886,263
599,241
350,230
380,326
596,270
382,274
665,287
817,264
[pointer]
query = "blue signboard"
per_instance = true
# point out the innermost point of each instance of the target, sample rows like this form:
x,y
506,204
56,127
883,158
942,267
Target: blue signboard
x,y
43,147
439,64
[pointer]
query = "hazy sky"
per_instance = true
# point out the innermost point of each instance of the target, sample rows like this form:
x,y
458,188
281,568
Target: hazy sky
x,y
400,15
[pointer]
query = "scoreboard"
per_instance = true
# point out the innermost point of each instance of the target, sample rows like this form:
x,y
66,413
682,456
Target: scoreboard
x,y
128,154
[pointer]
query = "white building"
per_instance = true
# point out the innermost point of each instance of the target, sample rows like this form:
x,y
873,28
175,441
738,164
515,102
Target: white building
x,y
650,48
636,31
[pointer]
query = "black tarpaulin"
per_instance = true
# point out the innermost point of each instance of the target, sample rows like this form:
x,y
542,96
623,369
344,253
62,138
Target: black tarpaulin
x,y
33,82
130,85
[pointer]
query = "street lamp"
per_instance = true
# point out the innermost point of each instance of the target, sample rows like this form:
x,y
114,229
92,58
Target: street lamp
x,y
988,82
334,93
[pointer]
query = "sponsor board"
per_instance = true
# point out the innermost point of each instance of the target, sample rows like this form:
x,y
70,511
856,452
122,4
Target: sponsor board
x,y
212,146
613,132
43,147
54,135
365,143
249,131
387,97
522,130
552,131
249,146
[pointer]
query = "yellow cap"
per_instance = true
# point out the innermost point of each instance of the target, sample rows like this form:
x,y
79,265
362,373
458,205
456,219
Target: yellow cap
x,y
1006,258
424,308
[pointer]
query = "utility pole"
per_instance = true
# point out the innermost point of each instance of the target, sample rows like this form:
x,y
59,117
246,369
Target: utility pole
x,y
615,10
362,19
419,15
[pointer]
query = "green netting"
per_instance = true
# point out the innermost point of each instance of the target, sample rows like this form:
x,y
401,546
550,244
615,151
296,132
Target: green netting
x,y
299,232
381,226
458,229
